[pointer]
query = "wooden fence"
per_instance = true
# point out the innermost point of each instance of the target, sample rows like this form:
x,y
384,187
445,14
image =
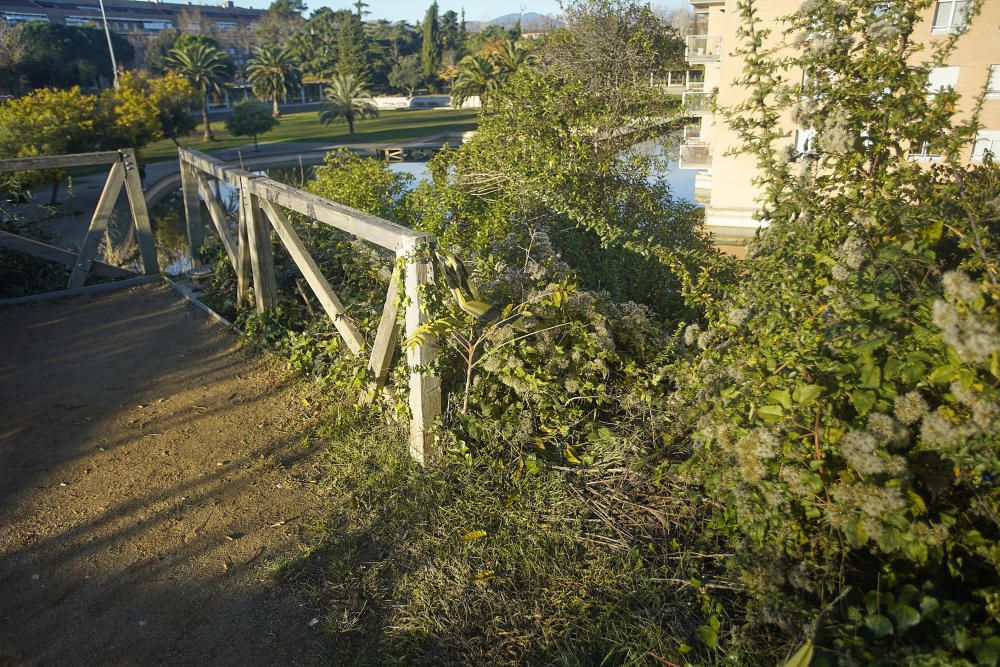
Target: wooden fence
x,y
124,171
262,206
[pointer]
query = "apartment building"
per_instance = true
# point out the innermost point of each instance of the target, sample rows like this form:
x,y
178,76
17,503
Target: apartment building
x,y
131,17
724,182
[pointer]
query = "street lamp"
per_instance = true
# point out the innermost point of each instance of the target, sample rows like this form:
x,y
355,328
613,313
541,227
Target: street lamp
x,y
111,49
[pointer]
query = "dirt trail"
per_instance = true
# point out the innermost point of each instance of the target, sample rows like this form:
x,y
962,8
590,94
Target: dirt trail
x,y
151,478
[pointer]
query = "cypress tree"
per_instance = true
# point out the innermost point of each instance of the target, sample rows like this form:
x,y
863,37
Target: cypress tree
x,y
430,52
352,48
463,35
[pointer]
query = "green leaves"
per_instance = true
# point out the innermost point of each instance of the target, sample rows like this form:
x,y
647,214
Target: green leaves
x,y
770,413
806,394
862,400
905,615
709,632
879,625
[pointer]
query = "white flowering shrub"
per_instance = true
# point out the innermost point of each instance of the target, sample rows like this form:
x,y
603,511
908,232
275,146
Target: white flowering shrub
x,y
843,394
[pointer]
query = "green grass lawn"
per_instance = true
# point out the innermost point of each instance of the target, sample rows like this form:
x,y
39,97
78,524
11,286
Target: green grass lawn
x,y
305,126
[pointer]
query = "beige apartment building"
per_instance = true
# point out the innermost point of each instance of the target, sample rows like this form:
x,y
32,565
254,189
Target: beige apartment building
x,y
724,183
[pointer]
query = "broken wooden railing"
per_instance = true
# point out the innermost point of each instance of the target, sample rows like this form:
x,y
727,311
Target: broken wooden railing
x,y
124,171
248,247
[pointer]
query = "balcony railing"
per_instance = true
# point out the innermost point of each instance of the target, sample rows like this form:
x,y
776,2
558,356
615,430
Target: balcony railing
x,y
697,103
678,83
695,155
704,48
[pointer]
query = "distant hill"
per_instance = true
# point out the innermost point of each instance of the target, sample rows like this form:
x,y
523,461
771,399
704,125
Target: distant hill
x,y
530,22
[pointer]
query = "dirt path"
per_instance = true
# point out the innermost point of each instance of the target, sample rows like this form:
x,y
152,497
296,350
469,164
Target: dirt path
x,y
151,479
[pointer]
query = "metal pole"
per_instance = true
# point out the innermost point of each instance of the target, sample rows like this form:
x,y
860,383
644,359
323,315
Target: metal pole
x,y
111,49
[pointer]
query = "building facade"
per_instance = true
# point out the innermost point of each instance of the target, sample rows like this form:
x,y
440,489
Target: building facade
x,y
724,182
132,17
139,21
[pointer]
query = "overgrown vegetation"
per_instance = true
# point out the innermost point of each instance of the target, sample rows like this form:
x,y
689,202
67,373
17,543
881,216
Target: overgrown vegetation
x,y
655,454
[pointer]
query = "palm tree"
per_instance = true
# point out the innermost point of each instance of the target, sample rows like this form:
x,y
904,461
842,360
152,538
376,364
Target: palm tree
x,y
477,75
513,58
482,75
348,99
271,72
205,67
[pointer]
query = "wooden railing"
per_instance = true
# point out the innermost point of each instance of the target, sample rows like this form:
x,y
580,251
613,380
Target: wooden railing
x,y
124,171
262,205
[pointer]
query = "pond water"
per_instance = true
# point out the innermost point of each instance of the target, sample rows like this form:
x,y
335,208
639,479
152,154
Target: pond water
x,y
167,215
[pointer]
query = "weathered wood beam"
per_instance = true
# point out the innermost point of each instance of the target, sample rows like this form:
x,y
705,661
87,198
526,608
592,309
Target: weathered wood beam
x,y
60,255
387,336
425,386
265,286
208,164
192,212
140,215
370,228
319,284
80,291
98,225
242,254
218,218
58,161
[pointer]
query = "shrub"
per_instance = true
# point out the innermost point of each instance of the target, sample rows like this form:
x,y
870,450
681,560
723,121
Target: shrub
x,y
843,397
249,119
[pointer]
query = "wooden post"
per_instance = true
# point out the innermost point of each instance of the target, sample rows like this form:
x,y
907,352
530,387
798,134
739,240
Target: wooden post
x,y
425,386
192,212
242,253
265,287
98,225
140,215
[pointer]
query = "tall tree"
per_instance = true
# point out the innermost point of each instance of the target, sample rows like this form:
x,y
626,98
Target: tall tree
x,y
158,49
283,19
315,45
449,31
63,56
272,72
11,54
205,67
347,99
352,48
463,35
430,53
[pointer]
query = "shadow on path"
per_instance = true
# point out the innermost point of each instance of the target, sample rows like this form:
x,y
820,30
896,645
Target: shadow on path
x,y
151,479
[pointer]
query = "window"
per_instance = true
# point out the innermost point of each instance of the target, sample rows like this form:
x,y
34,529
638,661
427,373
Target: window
x,y
923,153
993,85
941,78
987,141
804,140
950,15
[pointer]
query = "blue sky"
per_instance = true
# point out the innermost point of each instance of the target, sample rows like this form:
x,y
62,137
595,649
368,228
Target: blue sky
x,y
413,10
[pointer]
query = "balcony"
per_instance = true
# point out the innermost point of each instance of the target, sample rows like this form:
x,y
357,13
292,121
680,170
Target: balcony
x,y
697,103
685,81
695,155
704,49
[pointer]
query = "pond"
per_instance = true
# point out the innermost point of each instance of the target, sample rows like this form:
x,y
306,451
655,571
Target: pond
x,y
167,215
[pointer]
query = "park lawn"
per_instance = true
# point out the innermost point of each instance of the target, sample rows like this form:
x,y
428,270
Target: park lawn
x,y
305,126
